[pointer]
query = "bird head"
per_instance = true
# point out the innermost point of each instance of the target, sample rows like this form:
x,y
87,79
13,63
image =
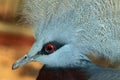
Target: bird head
x,y
53,51
57,39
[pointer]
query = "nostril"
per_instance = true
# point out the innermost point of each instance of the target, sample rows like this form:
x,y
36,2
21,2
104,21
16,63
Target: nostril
x,y
25,57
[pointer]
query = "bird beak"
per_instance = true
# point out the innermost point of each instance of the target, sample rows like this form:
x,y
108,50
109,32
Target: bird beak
x,y
25,59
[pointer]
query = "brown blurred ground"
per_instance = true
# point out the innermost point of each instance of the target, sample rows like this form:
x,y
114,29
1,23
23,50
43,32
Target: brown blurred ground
x,y
15,41
13,45
8,9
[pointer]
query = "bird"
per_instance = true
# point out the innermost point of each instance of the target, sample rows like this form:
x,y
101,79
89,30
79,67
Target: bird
x,y
67,32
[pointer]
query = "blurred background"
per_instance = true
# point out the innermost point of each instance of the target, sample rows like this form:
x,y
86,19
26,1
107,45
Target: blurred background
x,y
16,40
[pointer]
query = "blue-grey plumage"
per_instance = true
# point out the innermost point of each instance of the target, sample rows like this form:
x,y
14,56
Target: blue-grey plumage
x,y
85,27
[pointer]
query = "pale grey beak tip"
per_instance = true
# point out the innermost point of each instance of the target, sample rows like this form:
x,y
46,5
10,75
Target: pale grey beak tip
x,y
14,66
25,59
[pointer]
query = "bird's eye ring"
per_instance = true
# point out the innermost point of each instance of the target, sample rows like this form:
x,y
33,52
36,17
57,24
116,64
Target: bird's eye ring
x,y
49,48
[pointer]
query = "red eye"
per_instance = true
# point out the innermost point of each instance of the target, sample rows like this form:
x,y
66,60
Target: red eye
x,y
49,48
